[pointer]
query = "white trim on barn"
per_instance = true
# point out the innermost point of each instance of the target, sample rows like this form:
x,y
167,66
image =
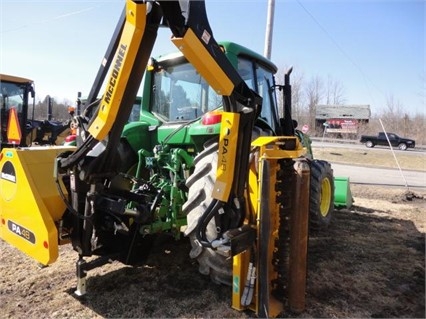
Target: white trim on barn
x,y
358,112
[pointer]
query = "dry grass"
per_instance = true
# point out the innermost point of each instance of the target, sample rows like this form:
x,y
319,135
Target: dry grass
x,y
369,263
407,159
374,266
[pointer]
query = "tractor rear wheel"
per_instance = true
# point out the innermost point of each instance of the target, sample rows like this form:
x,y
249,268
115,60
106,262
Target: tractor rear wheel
x,y
200,185
322,194
200,188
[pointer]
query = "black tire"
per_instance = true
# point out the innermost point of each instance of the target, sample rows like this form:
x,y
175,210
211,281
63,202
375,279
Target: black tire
x,y
321,202
402,146
369,144
200,185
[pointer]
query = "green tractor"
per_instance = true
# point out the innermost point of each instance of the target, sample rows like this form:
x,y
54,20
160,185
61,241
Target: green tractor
x,y
210,156
174,145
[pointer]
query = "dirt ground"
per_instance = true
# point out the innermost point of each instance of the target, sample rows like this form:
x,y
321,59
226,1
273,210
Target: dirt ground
x,y
369,263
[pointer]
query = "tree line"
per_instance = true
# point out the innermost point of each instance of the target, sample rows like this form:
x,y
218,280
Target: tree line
x,y
307,93
59,110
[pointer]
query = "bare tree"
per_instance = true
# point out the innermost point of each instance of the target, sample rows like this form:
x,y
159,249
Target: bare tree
x,y
314,92
394,106
334,92
298,99
397,120
59,110
417,127
393,114
406,125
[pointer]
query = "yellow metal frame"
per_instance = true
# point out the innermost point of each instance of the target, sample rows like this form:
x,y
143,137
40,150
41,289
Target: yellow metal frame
x,y
120,72
30,203
202,60
269,148
228,139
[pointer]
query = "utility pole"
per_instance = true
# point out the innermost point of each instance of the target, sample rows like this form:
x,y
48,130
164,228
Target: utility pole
x,y
269,29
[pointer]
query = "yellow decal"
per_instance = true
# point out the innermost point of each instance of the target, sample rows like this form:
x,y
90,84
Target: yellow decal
x,y
21,231
228,141
122,65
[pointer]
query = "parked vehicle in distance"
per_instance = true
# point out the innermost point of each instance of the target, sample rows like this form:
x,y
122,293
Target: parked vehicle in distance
x,y
396,141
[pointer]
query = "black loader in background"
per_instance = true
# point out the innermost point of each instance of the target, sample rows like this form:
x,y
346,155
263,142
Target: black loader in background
x,y
18,126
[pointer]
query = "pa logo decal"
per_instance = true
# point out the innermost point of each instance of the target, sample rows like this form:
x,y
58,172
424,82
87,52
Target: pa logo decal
x,y
21,231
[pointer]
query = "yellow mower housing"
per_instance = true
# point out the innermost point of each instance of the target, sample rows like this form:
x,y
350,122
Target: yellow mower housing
x,y
30,203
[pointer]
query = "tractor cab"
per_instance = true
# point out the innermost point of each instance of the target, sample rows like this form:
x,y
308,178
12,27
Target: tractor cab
x,y
180,107
181,94
15,96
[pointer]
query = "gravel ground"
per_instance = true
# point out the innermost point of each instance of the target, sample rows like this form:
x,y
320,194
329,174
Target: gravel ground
x,y
369,263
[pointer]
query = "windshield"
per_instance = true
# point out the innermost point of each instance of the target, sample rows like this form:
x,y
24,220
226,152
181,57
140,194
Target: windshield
x,y
181,94
11,96
136,110
260,80
265,81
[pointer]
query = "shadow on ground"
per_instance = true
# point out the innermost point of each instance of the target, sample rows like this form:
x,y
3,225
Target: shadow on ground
x,y
364,265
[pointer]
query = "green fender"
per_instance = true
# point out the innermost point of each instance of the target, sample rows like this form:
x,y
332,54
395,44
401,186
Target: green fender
x,y
342,192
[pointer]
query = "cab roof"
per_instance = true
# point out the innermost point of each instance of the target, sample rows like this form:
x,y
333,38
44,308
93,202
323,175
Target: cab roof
x,y
235,49
15,79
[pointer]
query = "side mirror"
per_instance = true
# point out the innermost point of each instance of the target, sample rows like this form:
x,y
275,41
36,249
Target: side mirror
x,y
32,92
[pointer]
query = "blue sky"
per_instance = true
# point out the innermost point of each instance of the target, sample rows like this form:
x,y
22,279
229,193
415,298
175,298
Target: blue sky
x,y
375,49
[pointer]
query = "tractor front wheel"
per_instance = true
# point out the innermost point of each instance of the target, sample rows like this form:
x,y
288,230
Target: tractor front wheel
x,y
322,194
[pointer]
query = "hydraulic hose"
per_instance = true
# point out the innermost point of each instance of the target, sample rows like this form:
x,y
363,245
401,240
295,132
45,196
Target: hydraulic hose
x,y
79,154
200,231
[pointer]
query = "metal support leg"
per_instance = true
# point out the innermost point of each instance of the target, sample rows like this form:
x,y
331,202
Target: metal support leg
x,y
81,277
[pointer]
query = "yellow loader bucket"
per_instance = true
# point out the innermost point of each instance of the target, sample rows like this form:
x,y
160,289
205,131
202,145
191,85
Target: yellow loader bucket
x,y
30,203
